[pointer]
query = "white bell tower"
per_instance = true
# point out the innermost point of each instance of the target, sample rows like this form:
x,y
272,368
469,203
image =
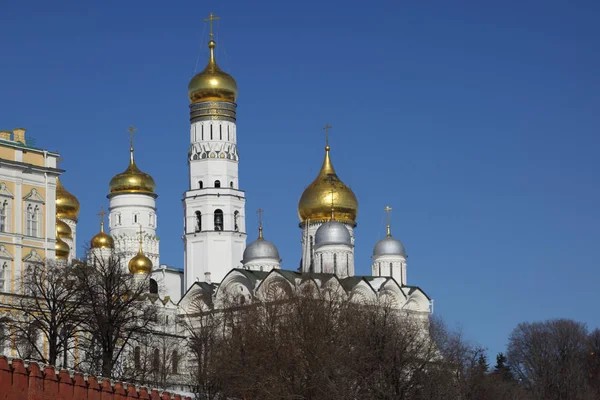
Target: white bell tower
x,y
214,206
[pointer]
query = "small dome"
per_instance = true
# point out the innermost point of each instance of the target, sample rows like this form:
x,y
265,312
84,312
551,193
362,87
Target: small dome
x,y
63,230
61,249
260,249
333,232
315,202
212,83
389,246
140,264
102,241
67,205
132,180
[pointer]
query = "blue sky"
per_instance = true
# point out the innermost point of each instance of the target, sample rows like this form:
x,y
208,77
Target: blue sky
x,y
477,122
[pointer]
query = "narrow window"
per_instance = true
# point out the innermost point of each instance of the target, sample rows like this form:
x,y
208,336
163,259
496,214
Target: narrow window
x,y
198,221
29,220
217,184
211,132
135,219
3,271
218,220
335,264
220,132
231,184
156,360
34,222
202,131
3,213
153,286
228,133
118,219
235,220
175,361
391,269
200,184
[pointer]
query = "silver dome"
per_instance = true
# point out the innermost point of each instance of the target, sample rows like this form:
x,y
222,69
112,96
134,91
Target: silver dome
x,y
260,248
332,232
388,246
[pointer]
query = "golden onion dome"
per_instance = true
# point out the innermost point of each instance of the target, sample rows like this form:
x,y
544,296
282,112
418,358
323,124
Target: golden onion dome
x,y
212,83
102,240
140,264
63,230
132,180
317,204
61,249
67,205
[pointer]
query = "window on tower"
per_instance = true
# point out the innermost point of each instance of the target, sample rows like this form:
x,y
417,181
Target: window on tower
x,y
198,221
200,184
220,132
211,132
153,286
217,184
235,220
231,184
218,220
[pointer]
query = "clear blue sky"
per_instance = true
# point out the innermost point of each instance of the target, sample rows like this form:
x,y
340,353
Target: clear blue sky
x,y
478,123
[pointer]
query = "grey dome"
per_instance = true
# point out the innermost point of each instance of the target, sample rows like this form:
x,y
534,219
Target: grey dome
x,y
388,246
333,232
261,248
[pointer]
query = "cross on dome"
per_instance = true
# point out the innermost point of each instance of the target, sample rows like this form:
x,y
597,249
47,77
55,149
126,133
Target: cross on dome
x,y
387,210
210,19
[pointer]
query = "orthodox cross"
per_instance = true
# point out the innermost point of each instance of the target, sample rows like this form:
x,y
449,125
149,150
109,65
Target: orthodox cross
x,y
387,210
101,214
260,214
131,131
210,20
326,128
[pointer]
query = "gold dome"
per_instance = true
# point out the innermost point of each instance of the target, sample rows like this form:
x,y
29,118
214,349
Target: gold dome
x,y
140,264
63,230
102,240
67,205
61,249
316,201
132,180
212,83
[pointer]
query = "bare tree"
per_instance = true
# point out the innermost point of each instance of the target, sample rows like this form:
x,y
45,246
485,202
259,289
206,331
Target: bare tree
x,y
49,313
116,310
549,358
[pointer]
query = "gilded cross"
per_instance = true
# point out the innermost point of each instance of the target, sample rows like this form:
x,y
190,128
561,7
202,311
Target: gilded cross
x,y
131,131
260,228
210,20
387,217
326,128
101,214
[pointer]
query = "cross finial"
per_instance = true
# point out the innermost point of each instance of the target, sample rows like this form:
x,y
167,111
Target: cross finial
x,y
210,20
387,216
101,214
260,228
326,128
131,131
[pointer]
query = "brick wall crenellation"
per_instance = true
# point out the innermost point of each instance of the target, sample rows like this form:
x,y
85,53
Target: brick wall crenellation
x,y
20,382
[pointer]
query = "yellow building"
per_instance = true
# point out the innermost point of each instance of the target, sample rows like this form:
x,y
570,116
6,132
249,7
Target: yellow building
x,y
28,208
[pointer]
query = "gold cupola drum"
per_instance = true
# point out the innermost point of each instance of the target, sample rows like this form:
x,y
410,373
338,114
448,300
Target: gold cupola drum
x,y
316,202
102,240
140,264
67,205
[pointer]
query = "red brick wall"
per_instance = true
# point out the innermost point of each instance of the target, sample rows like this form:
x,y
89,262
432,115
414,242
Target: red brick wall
x,y
18,382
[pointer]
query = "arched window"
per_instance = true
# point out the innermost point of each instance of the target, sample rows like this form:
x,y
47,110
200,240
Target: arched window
x,y
217,184
231,184
29,225
34,221
200,184
198,221
220,132
235,220
202,132
211,132
153,286
175,361
218,220
137,357
156,360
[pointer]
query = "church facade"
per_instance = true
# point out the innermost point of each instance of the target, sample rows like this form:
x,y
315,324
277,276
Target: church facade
x,y
218,261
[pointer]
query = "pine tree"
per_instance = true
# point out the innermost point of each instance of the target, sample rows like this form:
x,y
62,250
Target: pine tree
x,y
502,368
